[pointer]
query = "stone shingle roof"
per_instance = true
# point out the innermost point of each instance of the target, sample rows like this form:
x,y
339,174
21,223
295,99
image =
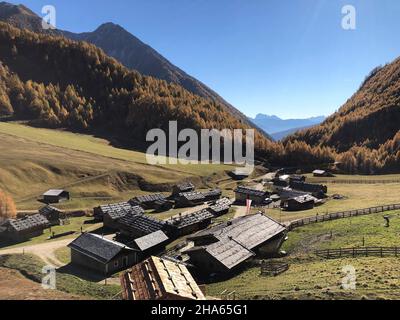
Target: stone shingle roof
x,y
151,240
97,247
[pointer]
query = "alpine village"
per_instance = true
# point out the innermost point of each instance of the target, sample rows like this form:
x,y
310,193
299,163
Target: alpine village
x,y
77,194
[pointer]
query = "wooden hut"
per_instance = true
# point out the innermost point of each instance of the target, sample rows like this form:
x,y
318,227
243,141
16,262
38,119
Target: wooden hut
x,y
52,214
225,247
182,188
151,244
189,199
243,193
101,255
111,213
20,230
305,202
147,201
55,196
189,223
159,279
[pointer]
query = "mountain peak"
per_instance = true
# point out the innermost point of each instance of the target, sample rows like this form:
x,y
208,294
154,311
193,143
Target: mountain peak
x,y
9,9
110,26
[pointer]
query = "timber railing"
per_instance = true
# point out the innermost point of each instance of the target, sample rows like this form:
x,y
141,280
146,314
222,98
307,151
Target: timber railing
x,y
355,181
270,268
359,252
341,215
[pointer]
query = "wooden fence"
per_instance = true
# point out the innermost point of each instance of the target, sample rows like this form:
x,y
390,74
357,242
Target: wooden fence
x,y
273,268
355,181
341,215
359,252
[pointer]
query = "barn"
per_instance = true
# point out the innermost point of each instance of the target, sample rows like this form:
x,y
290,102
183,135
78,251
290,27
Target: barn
x,y
322,173
317,190
225,247
138,225
20,230
101,255
189,199
243,193
220,207
163,205
52,214
152,244
212,195
190,223
55,196
110,213
147,201
240,173
159,279
182,188
300,203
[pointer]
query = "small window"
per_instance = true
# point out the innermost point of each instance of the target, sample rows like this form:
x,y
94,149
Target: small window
x,y
116,264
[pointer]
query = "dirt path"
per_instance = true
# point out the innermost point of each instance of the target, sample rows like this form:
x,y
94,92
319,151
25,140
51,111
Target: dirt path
x,y
45,251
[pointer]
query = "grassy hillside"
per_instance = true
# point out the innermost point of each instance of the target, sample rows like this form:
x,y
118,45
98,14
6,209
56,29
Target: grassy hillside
x,y
33,160
310,277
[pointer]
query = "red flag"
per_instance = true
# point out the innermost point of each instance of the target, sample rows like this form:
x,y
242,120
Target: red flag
x,y
248,205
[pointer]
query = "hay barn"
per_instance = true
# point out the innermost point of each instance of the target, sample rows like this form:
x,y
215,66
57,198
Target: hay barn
x,y
300,203
220,207
243,193
189,199
147,201
182,188
159,279
101,255
52,214
138,225
225,247
55,196
110,213
189,223
152,244
20,230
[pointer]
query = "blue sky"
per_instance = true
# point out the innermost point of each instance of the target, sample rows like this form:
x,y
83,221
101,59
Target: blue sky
x,y
285,57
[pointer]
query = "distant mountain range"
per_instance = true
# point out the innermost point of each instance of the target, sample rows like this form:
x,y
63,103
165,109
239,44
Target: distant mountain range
x,y
280,128
118,43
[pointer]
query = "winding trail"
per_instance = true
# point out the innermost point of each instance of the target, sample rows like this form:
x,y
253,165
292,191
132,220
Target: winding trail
x,y
45,251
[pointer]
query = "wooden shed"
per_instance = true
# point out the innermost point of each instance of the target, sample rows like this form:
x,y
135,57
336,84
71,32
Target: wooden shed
x,y
189,223
159,279
317,190
101,255
110,213
243,193
182,188
212,195
55,196
151,244
300,203
147,201
135,226
52,214
220,207
189,199
225,247
20,230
